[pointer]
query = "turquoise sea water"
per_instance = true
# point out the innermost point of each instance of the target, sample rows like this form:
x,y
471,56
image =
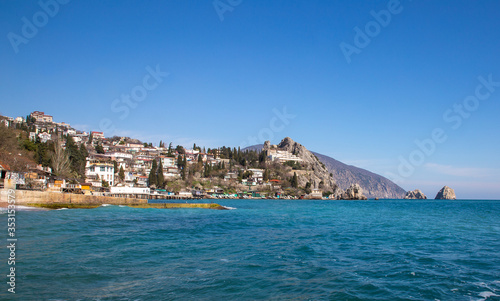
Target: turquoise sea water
x,y
263,250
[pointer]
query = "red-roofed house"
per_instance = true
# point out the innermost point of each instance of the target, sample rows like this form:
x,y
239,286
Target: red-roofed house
x,y
97,135
40,116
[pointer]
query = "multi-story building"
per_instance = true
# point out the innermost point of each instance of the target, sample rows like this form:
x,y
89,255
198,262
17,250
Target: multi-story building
x,y
97,135
41,117
96,171
282,156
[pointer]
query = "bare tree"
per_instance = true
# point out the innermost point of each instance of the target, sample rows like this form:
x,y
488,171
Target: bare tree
x,y
60,160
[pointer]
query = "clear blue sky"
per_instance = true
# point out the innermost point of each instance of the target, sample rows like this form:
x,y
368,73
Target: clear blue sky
x,y
226,78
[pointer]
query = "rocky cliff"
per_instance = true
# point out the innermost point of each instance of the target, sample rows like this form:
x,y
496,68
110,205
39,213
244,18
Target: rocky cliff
x,y
373,185
415,195
355,192
317,171
446,193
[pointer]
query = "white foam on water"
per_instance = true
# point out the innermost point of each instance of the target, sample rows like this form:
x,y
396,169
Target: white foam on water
x,y
27,208
106,205
62,209
229,208
487,294
22,208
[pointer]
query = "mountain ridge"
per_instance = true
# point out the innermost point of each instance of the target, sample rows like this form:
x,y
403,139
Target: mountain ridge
x,y
373,185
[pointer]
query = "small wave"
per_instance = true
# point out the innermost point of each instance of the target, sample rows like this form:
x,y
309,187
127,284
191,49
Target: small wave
x,y
106,205
62,209
27,208
487,294
229,208
22,208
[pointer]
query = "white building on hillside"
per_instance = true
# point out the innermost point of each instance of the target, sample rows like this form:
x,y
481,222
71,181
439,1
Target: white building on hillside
x,y
100,170
282,156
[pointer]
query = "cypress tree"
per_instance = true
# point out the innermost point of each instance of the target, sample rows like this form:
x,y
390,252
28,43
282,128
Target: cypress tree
x,y
179,161
160,179
295,181
169,153
265,176
152,173
121,174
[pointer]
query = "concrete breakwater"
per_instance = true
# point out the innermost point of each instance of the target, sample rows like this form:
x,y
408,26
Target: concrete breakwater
x,y
55,200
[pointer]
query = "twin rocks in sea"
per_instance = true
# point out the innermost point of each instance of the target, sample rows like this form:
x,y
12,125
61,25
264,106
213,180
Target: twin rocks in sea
x,y
446,193
415,195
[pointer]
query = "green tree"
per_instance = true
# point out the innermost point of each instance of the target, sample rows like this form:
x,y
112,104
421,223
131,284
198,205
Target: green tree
x,y
262,156
42,155
179,161
83,151
169,153
295,181
208,170
99,149
180,149
29,145
76,157
184,166
160,180
265,176
121,174
307,189
152,174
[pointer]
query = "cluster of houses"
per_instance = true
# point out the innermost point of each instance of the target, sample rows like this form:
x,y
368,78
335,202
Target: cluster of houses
x,y
102,169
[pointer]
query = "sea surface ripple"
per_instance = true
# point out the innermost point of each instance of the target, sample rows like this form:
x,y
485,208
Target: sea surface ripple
x,y
263,250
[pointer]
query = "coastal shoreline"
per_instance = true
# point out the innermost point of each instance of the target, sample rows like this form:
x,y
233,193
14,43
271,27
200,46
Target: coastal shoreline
x,y
57,200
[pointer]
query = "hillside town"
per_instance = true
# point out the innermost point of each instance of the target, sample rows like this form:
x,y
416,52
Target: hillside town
x,y
65,159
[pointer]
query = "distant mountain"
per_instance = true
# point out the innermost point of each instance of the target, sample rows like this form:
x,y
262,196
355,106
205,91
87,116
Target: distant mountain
x,y
374,185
